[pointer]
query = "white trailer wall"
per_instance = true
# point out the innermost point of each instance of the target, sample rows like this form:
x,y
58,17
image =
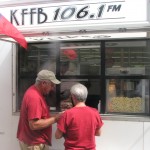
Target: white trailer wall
x,y
6,118
118,135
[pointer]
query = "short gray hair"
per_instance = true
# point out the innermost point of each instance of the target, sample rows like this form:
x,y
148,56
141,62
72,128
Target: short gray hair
x,y
79,91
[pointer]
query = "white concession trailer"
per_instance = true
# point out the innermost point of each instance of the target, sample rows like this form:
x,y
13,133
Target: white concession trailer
x,y
112,42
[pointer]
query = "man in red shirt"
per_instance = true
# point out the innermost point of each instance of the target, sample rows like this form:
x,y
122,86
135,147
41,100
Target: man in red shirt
x,y
79,125
34,128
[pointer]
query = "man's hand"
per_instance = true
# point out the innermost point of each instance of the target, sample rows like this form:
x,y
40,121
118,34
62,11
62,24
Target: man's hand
x,y
58,115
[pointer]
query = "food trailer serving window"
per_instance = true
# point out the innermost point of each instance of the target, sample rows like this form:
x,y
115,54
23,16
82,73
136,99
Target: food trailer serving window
x,y
128,92
128,95
116,73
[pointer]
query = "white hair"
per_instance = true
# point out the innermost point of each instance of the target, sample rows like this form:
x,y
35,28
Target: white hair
x,y
79,91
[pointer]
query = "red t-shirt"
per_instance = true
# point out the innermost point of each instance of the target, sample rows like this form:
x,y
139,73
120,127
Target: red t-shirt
x,y
79,125
33,107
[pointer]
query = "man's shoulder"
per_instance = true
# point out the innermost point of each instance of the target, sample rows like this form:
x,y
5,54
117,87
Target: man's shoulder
x,y
92,108
31,92
69,111
87,108
31,89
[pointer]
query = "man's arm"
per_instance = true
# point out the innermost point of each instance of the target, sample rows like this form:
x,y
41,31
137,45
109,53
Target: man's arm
x,y
98,132
38,124
58,134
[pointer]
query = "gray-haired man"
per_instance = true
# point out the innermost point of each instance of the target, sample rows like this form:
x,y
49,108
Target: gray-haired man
x,y
79,125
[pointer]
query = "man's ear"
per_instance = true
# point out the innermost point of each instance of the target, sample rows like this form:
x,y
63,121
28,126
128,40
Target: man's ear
x,y
72,96
74,100
43,82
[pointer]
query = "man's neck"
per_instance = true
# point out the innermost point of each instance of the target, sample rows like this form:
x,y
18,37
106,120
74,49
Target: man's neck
x,y
38,88
80,104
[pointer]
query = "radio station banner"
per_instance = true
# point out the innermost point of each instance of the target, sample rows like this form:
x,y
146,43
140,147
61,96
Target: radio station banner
x,y
77,12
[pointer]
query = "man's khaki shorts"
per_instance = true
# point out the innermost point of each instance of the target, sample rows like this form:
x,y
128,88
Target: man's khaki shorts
x,y
24,146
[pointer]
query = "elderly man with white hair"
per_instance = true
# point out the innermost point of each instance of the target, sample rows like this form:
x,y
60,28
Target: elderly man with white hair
x,y
79,125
